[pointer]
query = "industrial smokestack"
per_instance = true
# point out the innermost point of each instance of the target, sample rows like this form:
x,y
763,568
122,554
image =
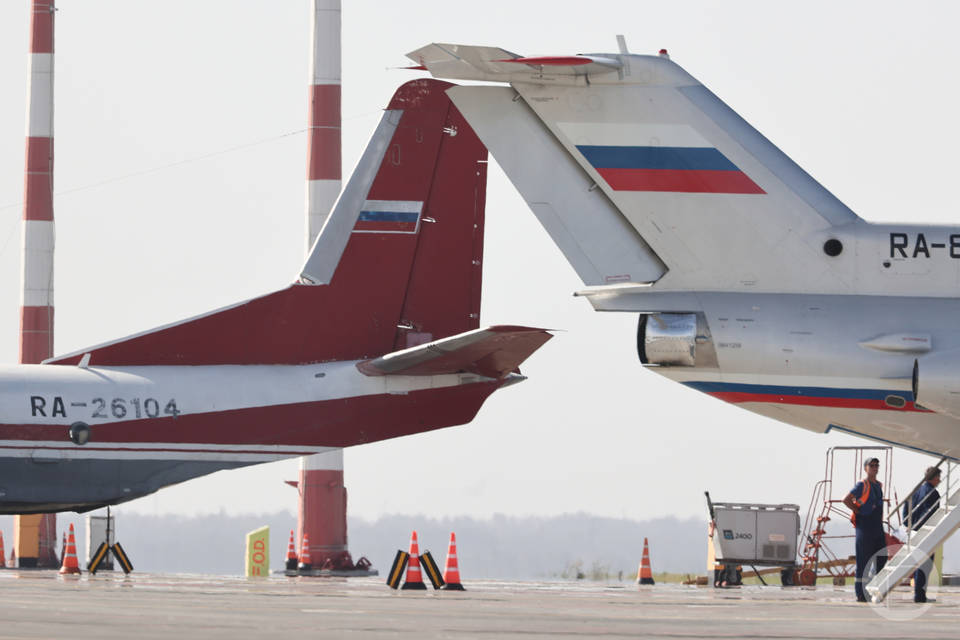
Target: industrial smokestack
x,y
35,536
323,152
323,497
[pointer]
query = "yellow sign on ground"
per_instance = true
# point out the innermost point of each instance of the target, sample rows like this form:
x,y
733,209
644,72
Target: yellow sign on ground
x,y
258,553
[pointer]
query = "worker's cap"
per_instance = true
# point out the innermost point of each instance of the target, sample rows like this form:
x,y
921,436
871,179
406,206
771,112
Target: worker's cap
x,y
871,461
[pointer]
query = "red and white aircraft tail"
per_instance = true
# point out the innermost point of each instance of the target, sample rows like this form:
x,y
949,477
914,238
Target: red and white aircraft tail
x,y
398,263
379,338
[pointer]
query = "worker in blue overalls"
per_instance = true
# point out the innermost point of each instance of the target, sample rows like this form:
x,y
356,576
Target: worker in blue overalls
x,y
865,500
916,511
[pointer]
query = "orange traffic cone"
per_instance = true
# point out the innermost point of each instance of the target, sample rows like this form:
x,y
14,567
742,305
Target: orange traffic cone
x,y
70,557
645,575
3,554
306,564
414,577
451,570
291,554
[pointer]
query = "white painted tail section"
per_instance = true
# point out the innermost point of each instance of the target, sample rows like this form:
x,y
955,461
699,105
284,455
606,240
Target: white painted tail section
x,y
597,240
642,174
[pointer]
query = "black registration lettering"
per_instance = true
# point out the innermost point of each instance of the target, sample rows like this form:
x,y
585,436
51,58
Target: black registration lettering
x,y
101,408
898,242
58,408
37,403
921,247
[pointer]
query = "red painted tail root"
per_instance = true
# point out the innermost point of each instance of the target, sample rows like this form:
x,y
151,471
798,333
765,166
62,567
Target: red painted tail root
x,y
645,574
291,554
3,557
414,576
451,570
70,564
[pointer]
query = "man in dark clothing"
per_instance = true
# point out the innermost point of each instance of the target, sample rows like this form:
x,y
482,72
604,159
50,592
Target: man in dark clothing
x,y
865,500
916,511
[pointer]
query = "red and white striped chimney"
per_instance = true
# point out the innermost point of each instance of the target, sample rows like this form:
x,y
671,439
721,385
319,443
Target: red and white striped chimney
x,y
36,311
323,497
323,152
36,303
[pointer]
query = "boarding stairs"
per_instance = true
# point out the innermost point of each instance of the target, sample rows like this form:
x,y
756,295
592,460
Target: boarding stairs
x,y
817,551
921,544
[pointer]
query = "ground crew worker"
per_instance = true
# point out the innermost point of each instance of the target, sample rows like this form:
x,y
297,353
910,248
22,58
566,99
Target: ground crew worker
x,y
865,500
916,511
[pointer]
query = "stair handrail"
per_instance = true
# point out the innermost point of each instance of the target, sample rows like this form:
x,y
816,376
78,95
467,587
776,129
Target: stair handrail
x,y
909,496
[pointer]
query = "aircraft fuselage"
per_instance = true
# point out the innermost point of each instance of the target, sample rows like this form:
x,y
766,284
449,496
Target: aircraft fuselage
x,y
148,427
820,362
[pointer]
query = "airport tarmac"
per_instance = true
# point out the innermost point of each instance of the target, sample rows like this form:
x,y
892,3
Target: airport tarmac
x,y
40,604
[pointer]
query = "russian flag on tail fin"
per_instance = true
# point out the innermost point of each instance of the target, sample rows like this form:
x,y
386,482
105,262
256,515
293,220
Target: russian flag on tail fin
x,y
389,216
656,157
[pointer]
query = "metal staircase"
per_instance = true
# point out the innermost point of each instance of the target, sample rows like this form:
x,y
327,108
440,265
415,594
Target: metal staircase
x,y
920,544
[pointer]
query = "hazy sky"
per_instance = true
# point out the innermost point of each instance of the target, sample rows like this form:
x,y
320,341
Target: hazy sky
x,y
861,94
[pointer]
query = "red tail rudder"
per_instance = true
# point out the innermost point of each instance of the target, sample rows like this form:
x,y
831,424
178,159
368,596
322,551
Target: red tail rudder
x,y
403,251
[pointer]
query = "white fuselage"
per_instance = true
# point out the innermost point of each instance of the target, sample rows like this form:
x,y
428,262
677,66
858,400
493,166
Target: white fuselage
x,y
134,407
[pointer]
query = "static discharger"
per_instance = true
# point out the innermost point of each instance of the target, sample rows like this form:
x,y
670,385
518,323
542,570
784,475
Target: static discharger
x,y
432,570
396,569
645,574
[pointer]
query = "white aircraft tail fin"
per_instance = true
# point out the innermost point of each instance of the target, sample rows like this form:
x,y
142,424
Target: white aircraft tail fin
x,y
641,174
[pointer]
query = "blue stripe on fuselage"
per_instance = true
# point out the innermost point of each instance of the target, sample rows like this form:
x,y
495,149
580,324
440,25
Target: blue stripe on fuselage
x,y
811,392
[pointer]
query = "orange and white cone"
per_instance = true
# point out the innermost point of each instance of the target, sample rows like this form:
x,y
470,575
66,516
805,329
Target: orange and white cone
x,y
451,570
306,563
291,554
3,554
645,574
70,564
414,577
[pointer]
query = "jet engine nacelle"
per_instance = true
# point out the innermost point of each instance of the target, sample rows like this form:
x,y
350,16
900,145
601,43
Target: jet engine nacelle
x,y
668,339
936,382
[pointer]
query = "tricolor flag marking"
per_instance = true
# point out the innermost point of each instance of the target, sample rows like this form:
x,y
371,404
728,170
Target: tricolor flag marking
x,y
672,158
389,216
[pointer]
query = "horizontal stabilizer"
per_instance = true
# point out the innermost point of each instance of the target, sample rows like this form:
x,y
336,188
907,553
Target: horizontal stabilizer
x,y
492,63
493,352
